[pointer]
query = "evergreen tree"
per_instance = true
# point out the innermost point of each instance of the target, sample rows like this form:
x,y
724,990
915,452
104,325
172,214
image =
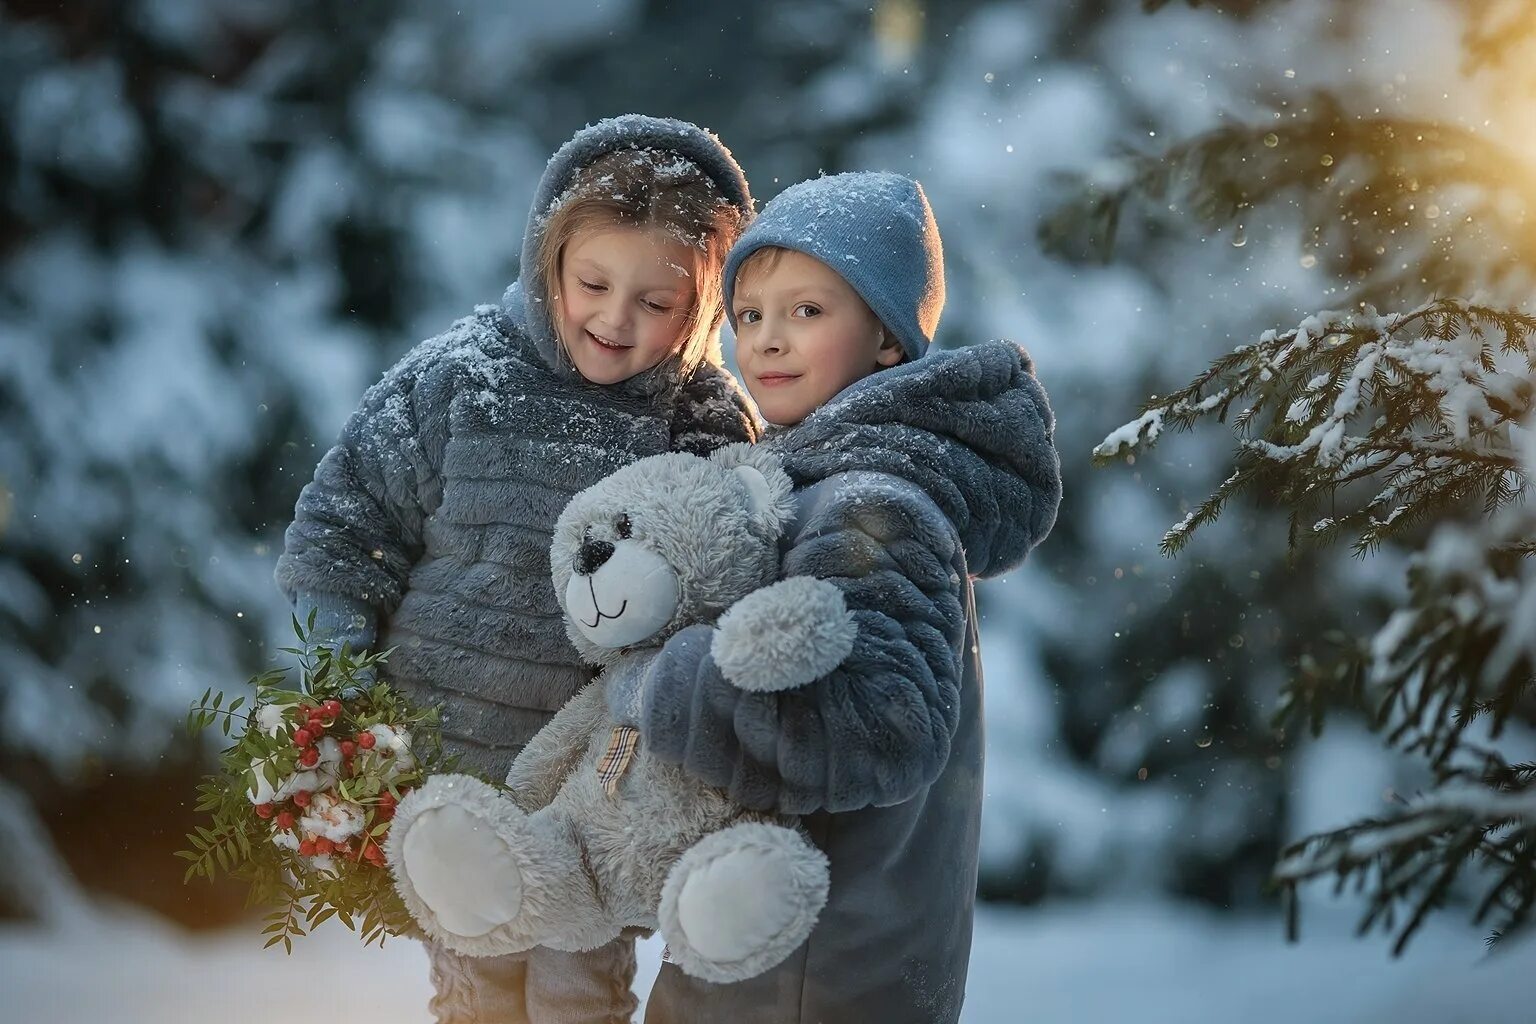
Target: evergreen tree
x,y
1410,430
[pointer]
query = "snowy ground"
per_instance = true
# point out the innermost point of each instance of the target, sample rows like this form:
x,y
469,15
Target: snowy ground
x,y
1138,963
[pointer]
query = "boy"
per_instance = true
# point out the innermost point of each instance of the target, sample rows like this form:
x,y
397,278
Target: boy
x,y
914,472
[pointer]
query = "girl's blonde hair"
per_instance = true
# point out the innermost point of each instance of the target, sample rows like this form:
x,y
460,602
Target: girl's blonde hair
x,y
651,188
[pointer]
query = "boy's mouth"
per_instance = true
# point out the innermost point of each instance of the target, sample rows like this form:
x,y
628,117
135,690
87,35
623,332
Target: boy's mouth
x,y
773,379
611,346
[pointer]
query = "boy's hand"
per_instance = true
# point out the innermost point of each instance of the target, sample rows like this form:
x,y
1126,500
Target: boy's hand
x,y
787,634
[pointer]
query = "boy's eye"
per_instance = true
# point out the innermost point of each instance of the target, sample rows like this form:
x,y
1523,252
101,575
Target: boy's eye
x,y
622,528
749,316
806,309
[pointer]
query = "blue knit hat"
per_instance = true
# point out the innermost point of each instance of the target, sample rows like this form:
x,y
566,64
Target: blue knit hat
x,y
876,231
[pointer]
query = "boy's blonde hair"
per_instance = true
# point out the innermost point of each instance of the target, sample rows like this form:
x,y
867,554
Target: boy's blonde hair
x,y
760,262
651,188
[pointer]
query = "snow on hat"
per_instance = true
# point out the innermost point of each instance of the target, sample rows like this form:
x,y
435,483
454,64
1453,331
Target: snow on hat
x,y
876,231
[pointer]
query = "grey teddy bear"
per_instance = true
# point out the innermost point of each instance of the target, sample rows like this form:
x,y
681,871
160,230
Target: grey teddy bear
x,y
592,834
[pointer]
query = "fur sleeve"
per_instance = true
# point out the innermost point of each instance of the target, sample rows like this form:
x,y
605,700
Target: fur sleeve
x,y
357,527
874,731
711,411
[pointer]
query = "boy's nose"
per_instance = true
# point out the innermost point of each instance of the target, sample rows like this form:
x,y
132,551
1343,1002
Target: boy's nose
x,y
592,556
767,342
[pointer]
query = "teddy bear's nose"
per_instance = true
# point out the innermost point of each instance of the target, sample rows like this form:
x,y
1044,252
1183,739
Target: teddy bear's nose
x,y
592,555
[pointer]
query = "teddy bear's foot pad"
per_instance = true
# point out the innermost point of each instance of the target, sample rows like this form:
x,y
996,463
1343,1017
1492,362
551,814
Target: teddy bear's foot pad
x,y
741,900
463,871
452,864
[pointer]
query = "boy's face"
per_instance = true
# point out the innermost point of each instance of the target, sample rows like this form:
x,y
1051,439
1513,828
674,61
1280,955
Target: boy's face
x,y
802,335
625,296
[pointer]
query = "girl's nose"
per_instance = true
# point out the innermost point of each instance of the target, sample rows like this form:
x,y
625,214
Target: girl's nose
x,y
617,312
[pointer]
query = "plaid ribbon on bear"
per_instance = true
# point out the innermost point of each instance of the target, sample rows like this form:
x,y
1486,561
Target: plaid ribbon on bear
x,y
622,743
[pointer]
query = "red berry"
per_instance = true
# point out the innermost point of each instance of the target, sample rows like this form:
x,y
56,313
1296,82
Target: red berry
x,y
348,749
387,799
344,848
303,738
310,757
374,854
316,724
301,798
307,848
264,810
284,820
366,740
333,708
323,845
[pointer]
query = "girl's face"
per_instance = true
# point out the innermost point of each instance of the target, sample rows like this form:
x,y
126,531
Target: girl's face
x,y
802,335
625,296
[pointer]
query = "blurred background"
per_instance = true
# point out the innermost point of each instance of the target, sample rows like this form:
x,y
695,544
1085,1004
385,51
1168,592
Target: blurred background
x,y
221,220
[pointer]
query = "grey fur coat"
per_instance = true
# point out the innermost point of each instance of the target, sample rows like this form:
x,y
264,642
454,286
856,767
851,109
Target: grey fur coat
x,y
911,481
432,515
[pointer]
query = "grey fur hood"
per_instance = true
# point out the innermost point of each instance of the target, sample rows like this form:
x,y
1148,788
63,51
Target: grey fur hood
x,y
970,426
527,300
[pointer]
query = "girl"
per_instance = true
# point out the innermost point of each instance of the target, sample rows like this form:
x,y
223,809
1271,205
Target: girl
x,y
427,527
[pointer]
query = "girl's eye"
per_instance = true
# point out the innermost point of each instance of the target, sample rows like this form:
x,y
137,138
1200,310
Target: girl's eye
x,y
749,316
622,527
806,309
590,286
657,307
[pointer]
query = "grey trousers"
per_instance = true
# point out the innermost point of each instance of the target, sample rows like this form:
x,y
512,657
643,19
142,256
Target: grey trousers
x,y
542,986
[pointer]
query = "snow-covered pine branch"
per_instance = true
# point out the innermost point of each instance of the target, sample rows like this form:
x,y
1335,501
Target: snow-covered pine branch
x,y
1479,826
1395,420
1420,403
1464,647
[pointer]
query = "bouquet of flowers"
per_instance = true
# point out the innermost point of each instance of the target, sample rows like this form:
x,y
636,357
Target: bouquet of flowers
x,y
304,797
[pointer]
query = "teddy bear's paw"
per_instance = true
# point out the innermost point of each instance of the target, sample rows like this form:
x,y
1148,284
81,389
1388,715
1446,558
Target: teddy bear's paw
x,y
741,900
452,865
784,635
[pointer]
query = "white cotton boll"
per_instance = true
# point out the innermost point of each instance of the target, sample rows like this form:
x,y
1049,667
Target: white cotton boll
x,y
328,769
395,748
332,817
306,781
401,745
269,718
322,864
264,793
285,840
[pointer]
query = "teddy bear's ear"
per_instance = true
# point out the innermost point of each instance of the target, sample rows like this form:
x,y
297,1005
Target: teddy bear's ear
x,y
769,489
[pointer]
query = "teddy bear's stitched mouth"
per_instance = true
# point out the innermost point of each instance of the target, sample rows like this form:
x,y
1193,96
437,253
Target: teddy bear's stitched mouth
x,y
601,615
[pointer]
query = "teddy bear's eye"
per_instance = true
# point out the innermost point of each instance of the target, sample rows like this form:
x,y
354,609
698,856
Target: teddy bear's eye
x,y
622,528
